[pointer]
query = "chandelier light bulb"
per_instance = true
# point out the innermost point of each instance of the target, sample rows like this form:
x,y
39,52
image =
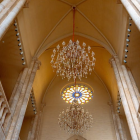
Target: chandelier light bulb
x,y
126,50
17,34
21,53
16,29
126,56
125,61
19,44
118,111
127,40
23,63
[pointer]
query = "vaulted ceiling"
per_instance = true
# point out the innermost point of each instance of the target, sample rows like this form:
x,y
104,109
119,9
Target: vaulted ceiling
x,y
101,24
46,23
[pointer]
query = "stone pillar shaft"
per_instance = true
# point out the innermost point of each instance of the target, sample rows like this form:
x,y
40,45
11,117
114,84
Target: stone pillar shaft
x,y
25,102
130,87
33,132
124,103
22,92
38,126
4,25
114,121
3,4
132,12
18,91
134,85
15,89
128,97
120,127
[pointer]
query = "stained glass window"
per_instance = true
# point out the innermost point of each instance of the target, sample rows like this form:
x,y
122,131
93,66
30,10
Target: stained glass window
x,y
82,93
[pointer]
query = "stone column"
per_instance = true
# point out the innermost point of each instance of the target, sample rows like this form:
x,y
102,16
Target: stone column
x,y
136,92
120,127
132,10
134,85
4,25
21,92
25,102
38,125
15,89
18,91
130,87
114,121
3,4
124,131
128,97
124,103
33,132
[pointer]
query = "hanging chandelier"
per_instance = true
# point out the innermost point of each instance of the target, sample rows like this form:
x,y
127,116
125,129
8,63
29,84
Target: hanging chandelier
x,y
75,120
73,60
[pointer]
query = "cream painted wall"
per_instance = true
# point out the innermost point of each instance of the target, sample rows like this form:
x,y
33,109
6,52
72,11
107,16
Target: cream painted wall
x,y
103,124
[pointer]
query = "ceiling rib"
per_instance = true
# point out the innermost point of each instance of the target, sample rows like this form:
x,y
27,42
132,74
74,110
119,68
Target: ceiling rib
x,y
96,29
80,2
66,2
52,31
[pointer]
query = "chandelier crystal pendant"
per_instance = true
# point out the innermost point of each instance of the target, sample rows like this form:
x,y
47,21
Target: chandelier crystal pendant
x,y
73,60
75,120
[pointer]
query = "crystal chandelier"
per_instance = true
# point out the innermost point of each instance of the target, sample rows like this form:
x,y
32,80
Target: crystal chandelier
x,y
73,60
75,120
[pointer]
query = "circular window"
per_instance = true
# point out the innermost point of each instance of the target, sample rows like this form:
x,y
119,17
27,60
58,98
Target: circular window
x,y
83,94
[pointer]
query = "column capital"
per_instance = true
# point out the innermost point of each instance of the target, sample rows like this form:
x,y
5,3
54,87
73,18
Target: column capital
x,y
37,62
112,59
